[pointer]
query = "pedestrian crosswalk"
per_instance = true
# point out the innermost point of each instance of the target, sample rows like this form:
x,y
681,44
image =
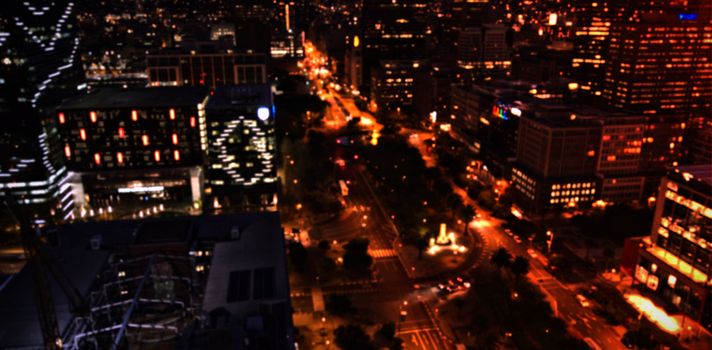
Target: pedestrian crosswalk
x,y
382,253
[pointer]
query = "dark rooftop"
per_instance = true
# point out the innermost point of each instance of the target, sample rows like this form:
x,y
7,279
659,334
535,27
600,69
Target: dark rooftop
x,y
241,96
137,98
259,242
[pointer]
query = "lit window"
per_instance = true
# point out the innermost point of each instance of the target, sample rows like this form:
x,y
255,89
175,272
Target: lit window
x,y
172,114
134,115
192,121
175,139
176,155
120,157
61,118
122,133
67,151
157,156
144,140
92,116
83,134
672,280
97,158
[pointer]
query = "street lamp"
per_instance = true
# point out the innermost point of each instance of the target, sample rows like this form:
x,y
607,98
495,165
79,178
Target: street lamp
x,y
549,240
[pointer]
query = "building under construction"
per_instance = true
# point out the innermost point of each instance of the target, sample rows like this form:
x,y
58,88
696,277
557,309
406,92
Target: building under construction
x,y
214,282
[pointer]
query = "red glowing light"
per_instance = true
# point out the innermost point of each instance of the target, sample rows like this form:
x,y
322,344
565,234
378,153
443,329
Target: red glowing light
x,y
192,121
176,155
175,139
144,140
92,116
61,118
97,158
134,115
157,156
83,134
122,133
172,113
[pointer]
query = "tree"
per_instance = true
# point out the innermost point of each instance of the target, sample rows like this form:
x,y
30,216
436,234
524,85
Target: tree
x,y
356,258
387,331
352,337
455,203
324,245
467,213
298,255
386,337
339,305
501,258
520,267
486,198
421,243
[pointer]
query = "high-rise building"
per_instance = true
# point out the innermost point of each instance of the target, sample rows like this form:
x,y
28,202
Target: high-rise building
x,y
393,82
635,152
241,174
675,261
556,162
652,60
391,30
37,69
590,43
131,150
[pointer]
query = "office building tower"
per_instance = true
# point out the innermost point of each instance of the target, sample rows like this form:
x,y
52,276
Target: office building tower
x,y
590,44
652,61
391,30
129,151
241,175
556,162
393,82
38,50
674,266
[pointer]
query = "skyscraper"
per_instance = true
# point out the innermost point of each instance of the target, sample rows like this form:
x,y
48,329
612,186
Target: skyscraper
x,y
674,262
656,65
38,48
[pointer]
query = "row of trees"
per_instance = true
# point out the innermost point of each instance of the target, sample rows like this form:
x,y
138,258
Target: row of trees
x,y
503,310
412,191
356,260
501,259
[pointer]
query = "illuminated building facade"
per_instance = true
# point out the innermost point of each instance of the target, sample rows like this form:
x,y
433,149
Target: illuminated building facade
x,y
37,69
675,262
652,62
392,31
483,47
393,83
590,43
211,69
635,152
556,162
132,149
241,174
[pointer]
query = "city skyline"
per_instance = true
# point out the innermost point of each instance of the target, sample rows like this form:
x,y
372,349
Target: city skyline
x,y
371,174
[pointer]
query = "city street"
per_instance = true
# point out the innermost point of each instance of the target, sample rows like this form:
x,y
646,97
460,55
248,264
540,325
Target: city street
x,y
366,218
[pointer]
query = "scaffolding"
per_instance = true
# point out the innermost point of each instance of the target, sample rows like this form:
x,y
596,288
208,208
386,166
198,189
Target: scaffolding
x,y
138,301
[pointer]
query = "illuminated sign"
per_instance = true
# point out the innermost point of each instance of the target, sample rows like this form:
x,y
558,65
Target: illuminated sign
x,y
687,16
141,189
263,113
499,112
